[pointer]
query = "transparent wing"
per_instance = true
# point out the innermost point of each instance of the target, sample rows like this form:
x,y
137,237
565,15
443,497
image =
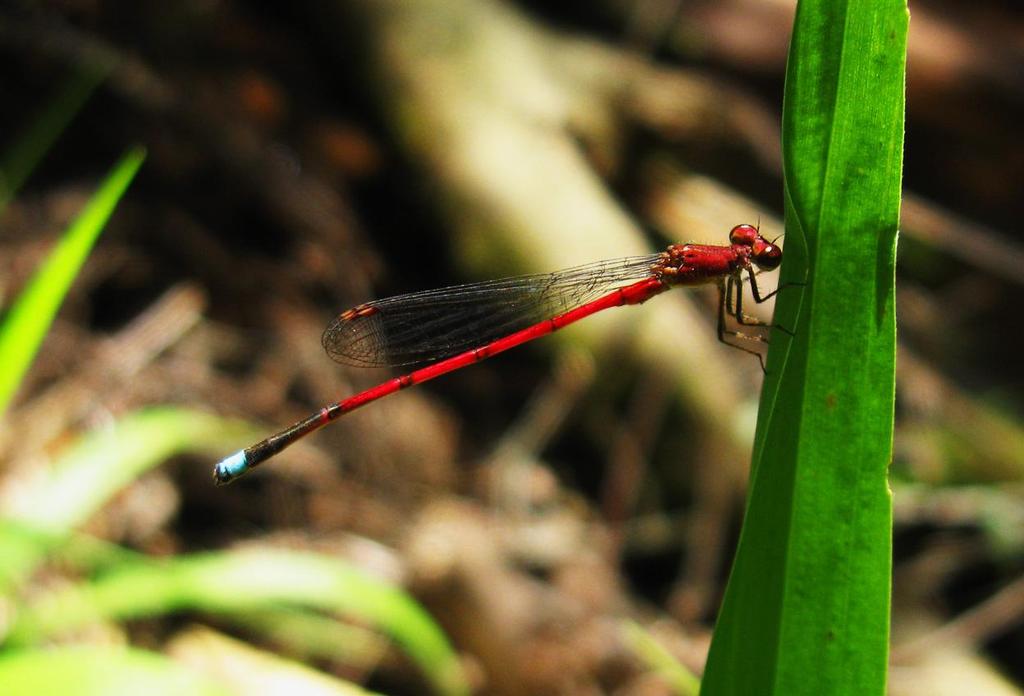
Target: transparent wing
x,y
426,326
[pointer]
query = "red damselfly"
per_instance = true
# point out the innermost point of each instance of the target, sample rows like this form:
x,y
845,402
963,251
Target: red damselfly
x,y
461,325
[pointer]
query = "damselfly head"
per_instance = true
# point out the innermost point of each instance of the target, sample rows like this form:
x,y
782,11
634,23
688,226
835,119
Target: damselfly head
x,y
766,255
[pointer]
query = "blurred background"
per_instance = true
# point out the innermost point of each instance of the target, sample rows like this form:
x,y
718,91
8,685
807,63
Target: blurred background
x,y
566,512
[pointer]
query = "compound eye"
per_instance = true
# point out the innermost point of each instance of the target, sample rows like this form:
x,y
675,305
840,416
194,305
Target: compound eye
x,y
743,234
769,257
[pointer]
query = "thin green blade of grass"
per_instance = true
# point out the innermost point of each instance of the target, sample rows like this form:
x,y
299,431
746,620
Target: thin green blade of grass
x,y
250,580
101,463
23,546
30,317
649,651
806,610
30,147
311,637
93,470
99,670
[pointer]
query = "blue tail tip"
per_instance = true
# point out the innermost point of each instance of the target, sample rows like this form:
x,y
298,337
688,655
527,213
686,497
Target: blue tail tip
x,y
230,468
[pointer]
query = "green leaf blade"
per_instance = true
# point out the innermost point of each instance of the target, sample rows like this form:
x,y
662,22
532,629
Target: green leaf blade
x,y
246,581
807,607
29,319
